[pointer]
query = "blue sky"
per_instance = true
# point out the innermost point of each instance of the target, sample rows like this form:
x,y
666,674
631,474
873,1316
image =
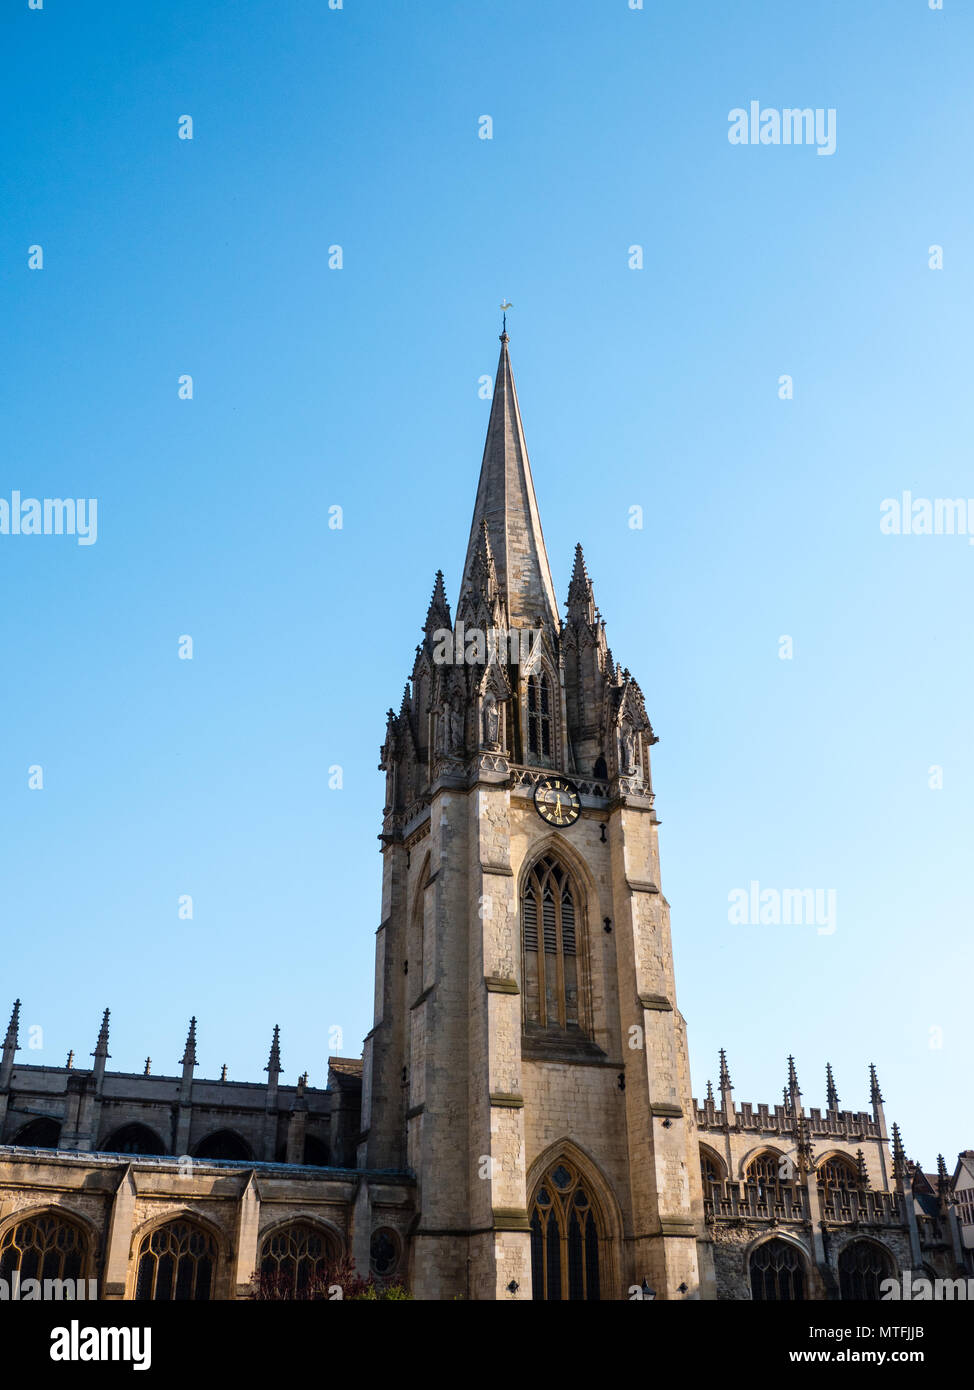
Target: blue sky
x,y
359,388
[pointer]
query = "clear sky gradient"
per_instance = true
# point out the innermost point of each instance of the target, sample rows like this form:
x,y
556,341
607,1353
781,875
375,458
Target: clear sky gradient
x,y
359,388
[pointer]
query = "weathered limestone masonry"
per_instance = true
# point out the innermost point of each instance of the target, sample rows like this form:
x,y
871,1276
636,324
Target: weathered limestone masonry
x,y
225,1174
822,1187
71,1108
118,1202
521,1124
492,1088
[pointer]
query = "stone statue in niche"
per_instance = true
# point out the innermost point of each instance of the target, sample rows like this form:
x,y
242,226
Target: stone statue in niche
x,y
456,730
443,729
627,746
491,719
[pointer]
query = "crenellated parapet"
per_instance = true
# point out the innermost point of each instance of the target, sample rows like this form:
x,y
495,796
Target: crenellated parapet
x,y
845,1125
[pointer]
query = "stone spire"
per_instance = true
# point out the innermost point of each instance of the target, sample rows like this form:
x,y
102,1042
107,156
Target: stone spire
x,y
710,1093
12,1039
184,1113
481,577
438,614
899,1153
592,698
101,1046
101,1053
862,1176
273,1070
507,506
726,1090
11,1043
188,1058
943,1178
581,595
875,1095
273,1067
803,1146
793,1086
831,1094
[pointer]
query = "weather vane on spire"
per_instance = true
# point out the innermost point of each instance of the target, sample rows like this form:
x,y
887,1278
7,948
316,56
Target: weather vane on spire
x,y
505,305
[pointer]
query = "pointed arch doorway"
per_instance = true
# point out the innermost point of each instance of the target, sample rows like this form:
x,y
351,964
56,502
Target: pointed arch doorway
x,y
567,1237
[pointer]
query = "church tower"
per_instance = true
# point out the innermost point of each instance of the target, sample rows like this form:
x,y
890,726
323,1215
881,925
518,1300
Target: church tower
x,y
527,1061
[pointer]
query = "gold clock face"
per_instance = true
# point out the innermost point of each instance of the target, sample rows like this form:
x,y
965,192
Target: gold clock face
x,y
556,801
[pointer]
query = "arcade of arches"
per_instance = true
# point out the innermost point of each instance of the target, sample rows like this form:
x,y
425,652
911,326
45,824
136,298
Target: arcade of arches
x,y
777,1269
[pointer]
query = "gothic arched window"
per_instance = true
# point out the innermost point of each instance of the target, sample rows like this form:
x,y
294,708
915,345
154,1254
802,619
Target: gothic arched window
x,y
540,739
565,1237
837,1175
43,1247
176,1263
550,907
711,1171
777,1270
294,1259
862,1268
767,1174
838,1180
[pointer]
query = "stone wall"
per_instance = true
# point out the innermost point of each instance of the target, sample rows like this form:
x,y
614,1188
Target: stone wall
x,y
119,1203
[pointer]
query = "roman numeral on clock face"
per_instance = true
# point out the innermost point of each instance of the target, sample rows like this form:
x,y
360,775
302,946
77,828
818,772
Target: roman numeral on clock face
x,y
556,801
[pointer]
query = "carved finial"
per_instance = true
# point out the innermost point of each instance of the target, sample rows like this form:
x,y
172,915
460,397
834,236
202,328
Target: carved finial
x,y
148,1067
899,1153
943,1178
483,571
101,1046
793,1076
710,1094
12,1040
223,1072
69,1064
831,1094
581,596
725,1081
875,1095
273,1067
189,1055
862,1176
803,1145
438,613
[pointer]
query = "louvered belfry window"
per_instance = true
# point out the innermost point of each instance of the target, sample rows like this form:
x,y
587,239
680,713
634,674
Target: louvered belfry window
x,y
548,908
539,717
